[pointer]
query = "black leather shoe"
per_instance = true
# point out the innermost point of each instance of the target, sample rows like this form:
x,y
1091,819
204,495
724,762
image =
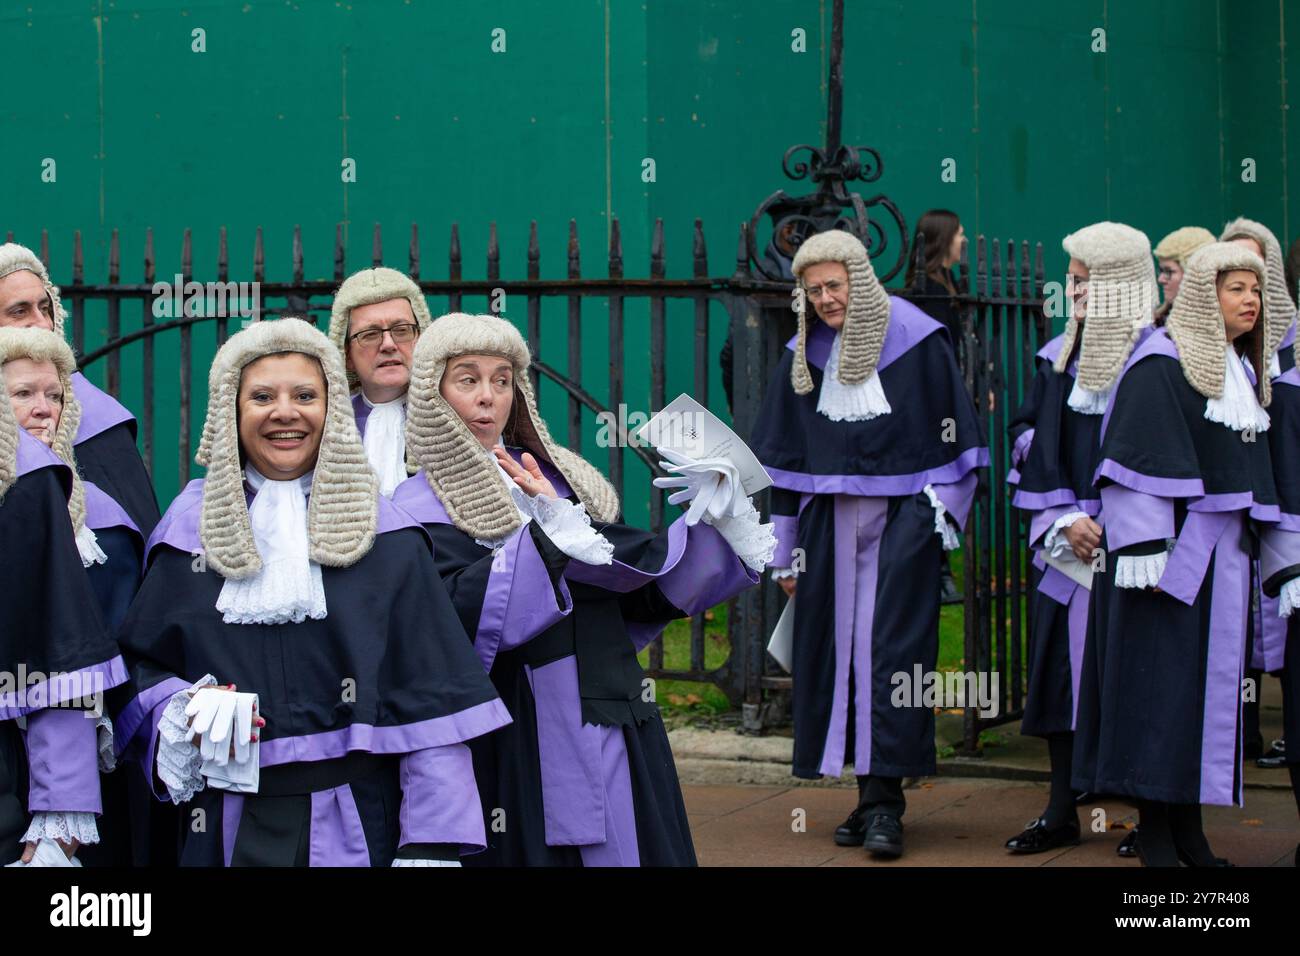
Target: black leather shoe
x,y
1128,847
852,831
1253,749
1037,837
884,836
1274,758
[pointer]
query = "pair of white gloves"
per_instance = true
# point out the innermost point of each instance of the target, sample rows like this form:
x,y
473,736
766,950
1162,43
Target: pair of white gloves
x,y
717,497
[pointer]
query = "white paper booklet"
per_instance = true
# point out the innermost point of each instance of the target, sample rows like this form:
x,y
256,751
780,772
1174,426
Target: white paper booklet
x,y
781,646
688,428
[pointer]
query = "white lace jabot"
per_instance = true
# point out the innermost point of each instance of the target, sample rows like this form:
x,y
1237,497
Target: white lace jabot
x,y
1237,408
385,442
850,403
289,586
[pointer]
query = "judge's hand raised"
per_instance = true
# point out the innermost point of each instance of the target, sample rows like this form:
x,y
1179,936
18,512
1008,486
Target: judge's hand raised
x,y
529,476
1084,537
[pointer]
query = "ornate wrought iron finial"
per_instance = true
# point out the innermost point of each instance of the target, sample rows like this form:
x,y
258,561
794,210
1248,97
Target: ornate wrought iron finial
x,y
795,218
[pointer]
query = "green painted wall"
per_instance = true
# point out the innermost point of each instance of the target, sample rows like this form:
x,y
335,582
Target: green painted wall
x,y
1047,135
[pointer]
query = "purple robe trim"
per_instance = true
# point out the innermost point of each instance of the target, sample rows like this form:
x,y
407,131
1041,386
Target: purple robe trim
x,y
1078,625
569,751
337,838
1052,348
1288,522
1057,585
179,526
519,603
1290,377
907,326
1221,724
1188,562
60,687
708,572
140,715
102,511
232,810
1134,517
700,570
1279,549
440,801
399,739
1043,500
1021,448
99,410
360,411
786,530
958,496
859,527
1269,651
881,486
620,847
63,762
33,454
1161,487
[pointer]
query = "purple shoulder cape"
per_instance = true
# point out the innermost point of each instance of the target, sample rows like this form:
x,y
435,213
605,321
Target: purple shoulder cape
x,y
99,410
908,325
179,527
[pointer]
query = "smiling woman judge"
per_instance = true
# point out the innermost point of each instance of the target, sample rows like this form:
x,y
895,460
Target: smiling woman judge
x,y
559,598
286,574
1187,488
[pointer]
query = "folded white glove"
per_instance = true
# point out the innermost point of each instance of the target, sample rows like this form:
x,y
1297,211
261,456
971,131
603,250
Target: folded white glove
x,y
712,485
219,715
48,853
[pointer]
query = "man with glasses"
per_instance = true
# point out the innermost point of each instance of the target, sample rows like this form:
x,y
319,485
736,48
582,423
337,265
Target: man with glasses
x,y
377,316
1172,252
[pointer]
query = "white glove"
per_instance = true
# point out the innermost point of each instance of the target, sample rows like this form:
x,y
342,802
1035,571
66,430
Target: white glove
x,y
219,714
48,853
712,485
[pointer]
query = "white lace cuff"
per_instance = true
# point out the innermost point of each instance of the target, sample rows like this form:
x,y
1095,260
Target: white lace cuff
x,y
754,543
179,760
1054,543
942,526
780,574
1289,598
1140,570
405,863
104,744
79,826
569,528
89,549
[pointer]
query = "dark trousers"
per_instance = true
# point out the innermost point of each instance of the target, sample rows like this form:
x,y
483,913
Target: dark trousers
x,y
878,794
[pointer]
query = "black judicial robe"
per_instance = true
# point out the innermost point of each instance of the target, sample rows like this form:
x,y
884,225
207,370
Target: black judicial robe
x,y
54,649
584,774
849,498
365,708
1282,562
1055,454
1159,713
